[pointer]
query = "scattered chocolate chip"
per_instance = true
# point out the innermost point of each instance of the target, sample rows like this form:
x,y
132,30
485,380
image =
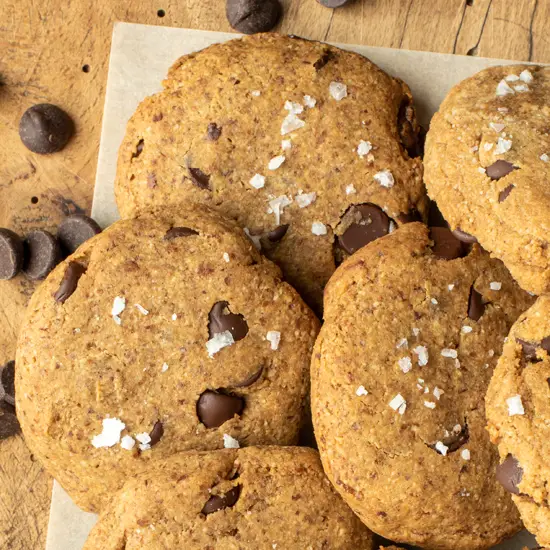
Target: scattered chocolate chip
x,y
464,237
151,181
177,232
214,408
69,282
407,127
411,216
252,16
9,425
76,229
139,149
435,217
503,195
7,379
446,245
509,474
369,223
499,169
278,233
45,128
221,319
42,253
218,502
530,348
250,380
158,117
199,178
476,307
323,60
156,433
213,132
332,3
11,254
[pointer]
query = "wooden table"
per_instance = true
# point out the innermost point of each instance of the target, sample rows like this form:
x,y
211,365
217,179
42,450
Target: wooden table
x,y
57,51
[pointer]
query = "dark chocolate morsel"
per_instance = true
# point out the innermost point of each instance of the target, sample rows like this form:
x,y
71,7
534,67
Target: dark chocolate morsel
x,y
323,60
45,128
214,408
69,282
250,380
509,474
156,433
413,215
499,169
9,424
177,232
213,132
11,254
218,502
503,195
464,237
278,233
435,217
199,178
446,245
370,223
42,253
221,319
529,349
252,16
139,149
332,3
476,307
7,378
76,229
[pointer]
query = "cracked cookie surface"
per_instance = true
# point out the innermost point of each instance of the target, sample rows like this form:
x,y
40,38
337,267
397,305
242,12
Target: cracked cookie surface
x,y
162,334
248,499
487,165
285,136
399,375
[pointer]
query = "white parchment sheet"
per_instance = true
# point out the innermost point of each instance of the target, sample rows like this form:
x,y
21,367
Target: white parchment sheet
x,y
140,58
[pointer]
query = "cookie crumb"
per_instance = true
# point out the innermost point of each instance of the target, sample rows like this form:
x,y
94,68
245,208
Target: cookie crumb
x,y
350,189
422,353
218,342
515,406
276,162
338,90
318,228
405,364
110,434
385,179
274,337
360,391
465,454
230,442
141,309
441,448
398,403
127,442
494,285
257,181
164,367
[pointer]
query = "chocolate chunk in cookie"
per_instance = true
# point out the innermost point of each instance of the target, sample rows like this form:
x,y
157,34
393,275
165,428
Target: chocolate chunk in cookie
x,y
214,408
365,223
509,474
68,285
446,245
219,502
499,169
220,319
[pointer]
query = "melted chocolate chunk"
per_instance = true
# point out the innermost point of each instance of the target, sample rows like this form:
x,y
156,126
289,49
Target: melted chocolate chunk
x,y
139,149
251,379
177,232
476,307
156,433
509,474
323,60
69,282
221,319
464,237
278,233
215,408
446,245
370,223
213,132
199,178
529,349
499,169
218,502
503,195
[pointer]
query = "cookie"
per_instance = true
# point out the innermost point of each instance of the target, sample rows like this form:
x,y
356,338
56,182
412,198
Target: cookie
x,y
413,329
296,140
487,164
163,334
518,416
254,498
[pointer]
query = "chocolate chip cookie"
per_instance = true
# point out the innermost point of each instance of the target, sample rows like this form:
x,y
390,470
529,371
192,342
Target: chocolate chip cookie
x,y
414,324
518,415
307,146
251,499
163,334
487,164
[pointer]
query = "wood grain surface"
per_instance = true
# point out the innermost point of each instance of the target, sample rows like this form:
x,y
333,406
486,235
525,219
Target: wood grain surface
x,y
57,51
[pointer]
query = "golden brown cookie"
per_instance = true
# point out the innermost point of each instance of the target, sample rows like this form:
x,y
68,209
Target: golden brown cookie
x,y
252,499
286,136
487,165
414,324
518,416
163,334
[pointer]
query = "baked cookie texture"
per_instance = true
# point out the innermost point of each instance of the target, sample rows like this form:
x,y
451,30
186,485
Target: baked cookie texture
x,y
518,416
487,165
399,375
162,334
247,499
285,136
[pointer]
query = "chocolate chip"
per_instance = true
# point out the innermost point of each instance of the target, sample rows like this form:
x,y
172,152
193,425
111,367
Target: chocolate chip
x,y
221,319
76,229
323,60
332,3
45,128
369,223
177,232
139,149
11,254
214,408
499,169
158,117
509,474
529,349
503,195
435,217
9,425
464,237
278,233
446,245
156,433
411,216
213,132
218,502
42,253
199,178
7,379
252,16
476,307
250,380
69,282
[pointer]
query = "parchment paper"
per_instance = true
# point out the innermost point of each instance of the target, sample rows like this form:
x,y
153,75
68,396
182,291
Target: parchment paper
x,y
140,58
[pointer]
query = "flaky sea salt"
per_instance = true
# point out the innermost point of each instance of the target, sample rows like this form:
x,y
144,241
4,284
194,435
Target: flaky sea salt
x,y
385,178
144,441
515,406
286,144
360,391
218,342
422,353
429,404
318,228
465,454
305,199
256,240
398,403
494,285
256,93
364,148
503,146
441,448
338,90
174,316
415,331
309,101
226,257
405,364
230,442
278,205
141,309
497,126
451,353
164,367
466,329
276,162
127,442
119,305
402,343
294,108
545,158
451,286
526,76
274,337
521,88
503,88
438,392
291,123
350,189
257,181
110,435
